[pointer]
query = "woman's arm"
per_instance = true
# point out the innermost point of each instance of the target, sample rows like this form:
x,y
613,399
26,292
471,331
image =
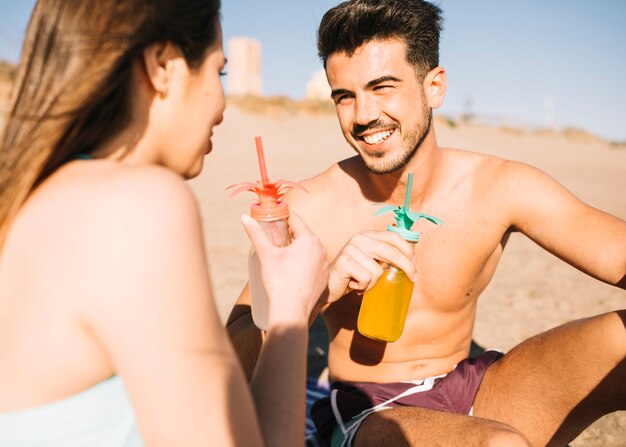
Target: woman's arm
x,y
294,277
148,303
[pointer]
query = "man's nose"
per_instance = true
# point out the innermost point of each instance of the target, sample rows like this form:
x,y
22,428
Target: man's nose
x,y
366,110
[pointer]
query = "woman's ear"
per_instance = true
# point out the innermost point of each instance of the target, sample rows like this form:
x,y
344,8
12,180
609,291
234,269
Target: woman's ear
x,y
435,85
158,63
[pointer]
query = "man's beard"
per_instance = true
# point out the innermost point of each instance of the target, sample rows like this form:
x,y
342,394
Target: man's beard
x,y
411,142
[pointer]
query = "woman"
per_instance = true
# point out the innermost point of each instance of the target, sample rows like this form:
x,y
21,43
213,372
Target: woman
x,y
108,331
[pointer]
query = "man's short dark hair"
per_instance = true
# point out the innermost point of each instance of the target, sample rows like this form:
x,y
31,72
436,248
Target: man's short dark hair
x,y
353,23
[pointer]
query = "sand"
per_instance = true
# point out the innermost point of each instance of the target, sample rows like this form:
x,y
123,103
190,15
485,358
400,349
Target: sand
x,y
532,290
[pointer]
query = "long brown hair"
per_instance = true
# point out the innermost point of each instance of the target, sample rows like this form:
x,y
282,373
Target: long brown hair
x,y
71,88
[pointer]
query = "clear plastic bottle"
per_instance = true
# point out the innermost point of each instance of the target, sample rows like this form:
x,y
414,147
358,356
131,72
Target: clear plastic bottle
x,y
385,306
272,214
279,234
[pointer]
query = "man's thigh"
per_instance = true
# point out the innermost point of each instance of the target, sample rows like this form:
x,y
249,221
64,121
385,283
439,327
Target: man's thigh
x,y
409,426
552,386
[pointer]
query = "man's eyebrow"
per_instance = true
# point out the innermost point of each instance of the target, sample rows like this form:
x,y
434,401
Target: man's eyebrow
x,y
339,91
370,84
375,82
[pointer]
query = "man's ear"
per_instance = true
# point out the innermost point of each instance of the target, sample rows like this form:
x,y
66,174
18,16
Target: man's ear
x,y
435,85
158,64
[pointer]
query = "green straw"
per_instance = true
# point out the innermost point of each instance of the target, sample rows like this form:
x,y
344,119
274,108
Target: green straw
x,y
407,194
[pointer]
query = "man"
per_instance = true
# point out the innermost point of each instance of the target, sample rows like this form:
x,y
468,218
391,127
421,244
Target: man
x,y
381,60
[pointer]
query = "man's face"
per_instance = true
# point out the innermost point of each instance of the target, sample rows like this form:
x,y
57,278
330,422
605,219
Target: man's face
x,y
380,103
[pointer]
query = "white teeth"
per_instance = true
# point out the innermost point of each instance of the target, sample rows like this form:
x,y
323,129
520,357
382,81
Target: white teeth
x,y
377,137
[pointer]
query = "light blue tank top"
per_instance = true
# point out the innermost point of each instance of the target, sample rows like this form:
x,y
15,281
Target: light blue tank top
x,y
97,417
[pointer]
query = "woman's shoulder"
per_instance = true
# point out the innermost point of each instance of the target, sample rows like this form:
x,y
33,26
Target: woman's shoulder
x,y
107,181
98,189
102,206
102,237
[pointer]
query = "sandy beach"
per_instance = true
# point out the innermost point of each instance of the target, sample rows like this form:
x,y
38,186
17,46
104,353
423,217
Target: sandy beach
x,y
532,290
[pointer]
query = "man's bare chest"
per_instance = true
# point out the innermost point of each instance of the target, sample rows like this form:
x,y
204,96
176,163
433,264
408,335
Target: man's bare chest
x,y
455,259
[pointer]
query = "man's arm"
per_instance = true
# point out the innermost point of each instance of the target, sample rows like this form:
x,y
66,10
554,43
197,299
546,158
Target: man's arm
x,y
354,268
352,260
589,239
246,338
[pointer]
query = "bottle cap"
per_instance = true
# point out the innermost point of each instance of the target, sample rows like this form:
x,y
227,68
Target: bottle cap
x,y
405,218
408,235
269,206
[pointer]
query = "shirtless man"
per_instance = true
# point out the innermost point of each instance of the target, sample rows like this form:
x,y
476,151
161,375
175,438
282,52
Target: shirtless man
x,y
385,81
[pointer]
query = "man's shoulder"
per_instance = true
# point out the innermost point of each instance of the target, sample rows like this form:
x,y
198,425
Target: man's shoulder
x,y
327,195
473,157
481,167
337,177
491,169
492,179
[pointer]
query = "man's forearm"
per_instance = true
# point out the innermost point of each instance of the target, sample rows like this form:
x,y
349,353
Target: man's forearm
x,y
246,338
279,386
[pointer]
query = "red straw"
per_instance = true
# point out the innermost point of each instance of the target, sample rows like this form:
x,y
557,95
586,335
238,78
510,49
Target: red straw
x,y
261,157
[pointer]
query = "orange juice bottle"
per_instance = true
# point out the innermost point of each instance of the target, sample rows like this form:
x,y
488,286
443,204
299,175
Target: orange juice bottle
x,y
272,213
385,306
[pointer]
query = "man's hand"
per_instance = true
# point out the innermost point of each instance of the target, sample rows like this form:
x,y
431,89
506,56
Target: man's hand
x,y
357,266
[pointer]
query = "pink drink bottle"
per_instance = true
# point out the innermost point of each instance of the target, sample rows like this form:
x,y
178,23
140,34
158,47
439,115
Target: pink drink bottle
x,y
272,214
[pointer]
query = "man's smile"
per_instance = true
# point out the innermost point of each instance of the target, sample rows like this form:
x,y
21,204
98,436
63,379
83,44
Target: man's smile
x,y
377,137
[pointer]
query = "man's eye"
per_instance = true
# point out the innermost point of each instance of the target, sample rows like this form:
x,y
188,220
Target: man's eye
x,y
223,73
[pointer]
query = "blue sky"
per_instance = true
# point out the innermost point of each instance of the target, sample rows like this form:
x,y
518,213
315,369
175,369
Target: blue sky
x,y
510,61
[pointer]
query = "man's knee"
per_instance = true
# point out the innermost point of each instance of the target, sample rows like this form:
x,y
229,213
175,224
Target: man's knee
x,y
505,436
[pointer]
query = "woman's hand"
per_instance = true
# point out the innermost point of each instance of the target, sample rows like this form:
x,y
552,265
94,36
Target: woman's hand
x,y
294,276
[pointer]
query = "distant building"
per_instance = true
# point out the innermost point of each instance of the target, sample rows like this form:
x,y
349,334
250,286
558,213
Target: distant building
x,y
317,87
244,67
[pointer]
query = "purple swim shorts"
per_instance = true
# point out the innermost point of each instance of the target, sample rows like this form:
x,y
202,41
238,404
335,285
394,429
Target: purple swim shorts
x,y
350,402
